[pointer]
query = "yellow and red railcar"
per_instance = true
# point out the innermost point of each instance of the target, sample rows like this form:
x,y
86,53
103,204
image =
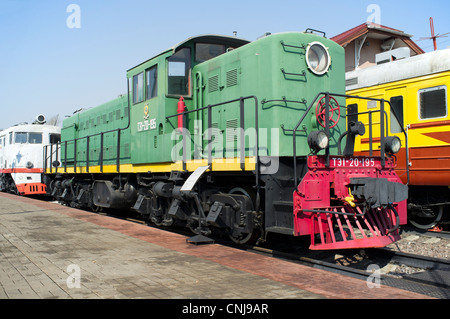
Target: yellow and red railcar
x,y
416,90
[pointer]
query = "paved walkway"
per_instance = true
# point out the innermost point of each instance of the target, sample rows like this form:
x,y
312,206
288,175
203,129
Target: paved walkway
x,y
52,251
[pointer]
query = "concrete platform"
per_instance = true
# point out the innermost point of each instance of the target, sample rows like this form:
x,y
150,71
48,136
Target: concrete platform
x,y
52,251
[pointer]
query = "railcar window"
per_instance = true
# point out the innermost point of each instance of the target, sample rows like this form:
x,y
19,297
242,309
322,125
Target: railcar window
x,y
397,106
179,66
55,138
152,82
206,51
35,138
433,102
138,88
20,138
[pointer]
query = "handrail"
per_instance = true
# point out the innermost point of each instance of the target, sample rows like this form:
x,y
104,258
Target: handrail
x,y
101,134
242,137
290,73
87,150
45,157
75,158
327,128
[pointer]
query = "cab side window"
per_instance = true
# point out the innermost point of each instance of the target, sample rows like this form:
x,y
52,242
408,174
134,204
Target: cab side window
x,y
35,138
152,82
179,66
138,88
433,102
55,138
397,107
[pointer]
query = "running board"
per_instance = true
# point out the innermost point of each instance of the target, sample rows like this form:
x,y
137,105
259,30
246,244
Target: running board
x,y
349,228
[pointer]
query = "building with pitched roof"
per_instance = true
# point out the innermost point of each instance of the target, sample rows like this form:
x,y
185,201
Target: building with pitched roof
x,y
363,43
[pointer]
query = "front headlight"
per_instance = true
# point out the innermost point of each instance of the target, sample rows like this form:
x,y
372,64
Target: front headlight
x,y
392,144
317,140
318,58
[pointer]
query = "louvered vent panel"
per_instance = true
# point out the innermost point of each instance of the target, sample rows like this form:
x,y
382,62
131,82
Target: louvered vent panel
x,y
231,130
213,83
231,77
126,150
351,81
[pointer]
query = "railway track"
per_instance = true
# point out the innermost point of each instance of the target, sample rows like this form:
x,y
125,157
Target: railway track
x,y
432,276
444,234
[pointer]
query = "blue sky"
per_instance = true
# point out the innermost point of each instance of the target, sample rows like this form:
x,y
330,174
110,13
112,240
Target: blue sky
x,y
47,67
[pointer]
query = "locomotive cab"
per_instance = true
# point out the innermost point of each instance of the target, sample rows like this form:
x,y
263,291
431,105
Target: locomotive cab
x,y
21,163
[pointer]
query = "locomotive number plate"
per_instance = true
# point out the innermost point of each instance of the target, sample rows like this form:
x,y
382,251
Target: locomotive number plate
x,y
352,162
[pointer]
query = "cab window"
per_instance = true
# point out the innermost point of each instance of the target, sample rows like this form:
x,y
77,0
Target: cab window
x,y
152,82
55,138
20,138
397,106
433,102
179,66
35,138
138,88
206,51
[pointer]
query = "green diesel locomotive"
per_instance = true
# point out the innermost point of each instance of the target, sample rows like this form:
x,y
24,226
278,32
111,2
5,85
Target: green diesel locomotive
x,y
237,138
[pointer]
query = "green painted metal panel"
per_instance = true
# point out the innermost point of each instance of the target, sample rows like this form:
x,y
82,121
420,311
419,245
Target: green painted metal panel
x,y
256,69
273,69
107,118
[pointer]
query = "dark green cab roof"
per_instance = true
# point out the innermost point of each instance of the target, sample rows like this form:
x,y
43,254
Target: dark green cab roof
x,y
206,38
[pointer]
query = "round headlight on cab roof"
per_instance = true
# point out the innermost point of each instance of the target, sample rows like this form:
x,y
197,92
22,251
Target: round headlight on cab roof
x,y
317,58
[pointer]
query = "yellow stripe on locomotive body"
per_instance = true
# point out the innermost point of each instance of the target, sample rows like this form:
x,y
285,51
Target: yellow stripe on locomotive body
x,y
417,89
220,165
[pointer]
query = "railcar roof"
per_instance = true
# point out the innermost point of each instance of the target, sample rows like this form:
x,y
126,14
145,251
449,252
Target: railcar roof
x,y
26,127
211,38
205,38
418,65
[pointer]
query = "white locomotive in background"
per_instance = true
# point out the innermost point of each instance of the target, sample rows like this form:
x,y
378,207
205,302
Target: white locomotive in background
x,y
21,156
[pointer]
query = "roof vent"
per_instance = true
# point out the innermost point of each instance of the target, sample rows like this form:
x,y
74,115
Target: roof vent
x,y
351,81
392,55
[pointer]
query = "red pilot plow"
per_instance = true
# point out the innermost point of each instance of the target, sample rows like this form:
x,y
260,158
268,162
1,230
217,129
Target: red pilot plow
x,y
348,227
345,208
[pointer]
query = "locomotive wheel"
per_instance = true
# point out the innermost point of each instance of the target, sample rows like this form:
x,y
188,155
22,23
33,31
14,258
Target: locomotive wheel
x,y
96,209
427,222
244,238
